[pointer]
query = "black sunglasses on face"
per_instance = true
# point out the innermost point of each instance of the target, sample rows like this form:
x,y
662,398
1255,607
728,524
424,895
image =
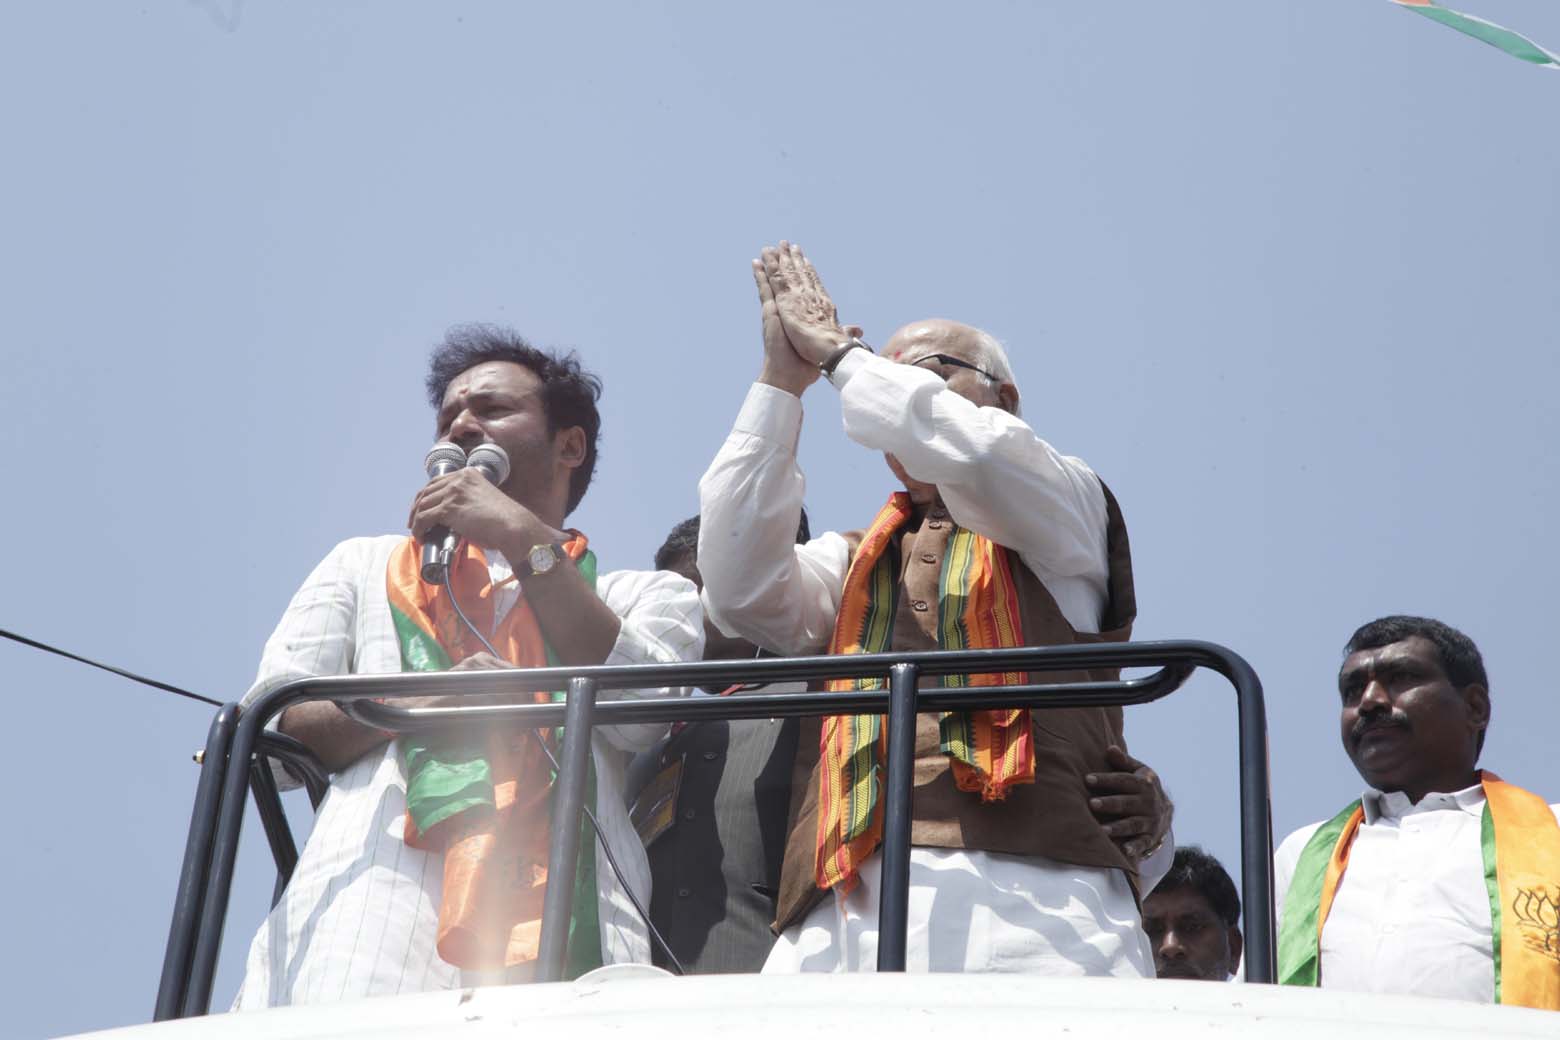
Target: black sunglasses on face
x,y
948,359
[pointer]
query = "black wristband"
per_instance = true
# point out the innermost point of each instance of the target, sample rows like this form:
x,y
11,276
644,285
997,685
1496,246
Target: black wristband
x,y
833,360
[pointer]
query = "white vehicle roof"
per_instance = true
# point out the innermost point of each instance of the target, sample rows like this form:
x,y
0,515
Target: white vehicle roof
x,y
805,1007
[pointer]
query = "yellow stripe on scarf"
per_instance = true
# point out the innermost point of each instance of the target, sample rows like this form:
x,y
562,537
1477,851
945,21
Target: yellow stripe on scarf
x,y
1527,872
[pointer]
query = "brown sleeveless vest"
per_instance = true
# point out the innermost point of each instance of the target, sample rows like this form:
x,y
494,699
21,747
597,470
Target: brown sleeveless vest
x,y
1049,817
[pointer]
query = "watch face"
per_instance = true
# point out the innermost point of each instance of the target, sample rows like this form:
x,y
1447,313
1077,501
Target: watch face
x,y
542,559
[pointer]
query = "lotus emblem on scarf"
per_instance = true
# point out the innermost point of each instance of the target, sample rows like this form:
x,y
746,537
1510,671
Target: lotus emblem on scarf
x,y
1538,915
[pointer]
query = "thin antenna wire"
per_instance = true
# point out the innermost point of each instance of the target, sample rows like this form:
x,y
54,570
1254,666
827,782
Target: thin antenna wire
x,y
143,680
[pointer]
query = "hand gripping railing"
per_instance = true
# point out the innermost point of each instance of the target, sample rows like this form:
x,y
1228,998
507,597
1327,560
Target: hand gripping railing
x,y
238,745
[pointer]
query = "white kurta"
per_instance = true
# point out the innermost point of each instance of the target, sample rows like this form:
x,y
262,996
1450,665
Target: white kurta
x,y
1412,914
360,915
970,910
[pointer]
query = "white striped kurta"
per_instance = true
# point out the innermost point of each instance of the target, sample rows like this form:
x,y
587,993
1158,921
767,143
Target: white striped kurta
x,y
360,915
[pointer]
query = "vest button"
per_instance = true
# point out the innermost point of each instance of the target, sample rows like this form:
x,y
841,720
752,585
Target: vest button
x,y
919,604
710,756
683,893
928,557
935,525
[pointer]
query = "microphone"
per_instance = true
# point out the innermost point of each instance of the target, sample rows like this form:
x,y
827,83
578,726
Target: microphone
x,y
439,547
492,460
443,458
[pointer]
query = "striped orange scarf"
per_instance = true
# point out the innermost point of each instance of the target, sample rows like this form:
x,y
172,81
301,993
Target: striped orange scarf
x,y
484,804
977,608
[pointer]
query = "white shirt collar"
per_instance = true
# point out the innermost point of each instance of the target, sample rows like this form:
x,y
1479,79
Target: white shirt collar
x,y
1394,805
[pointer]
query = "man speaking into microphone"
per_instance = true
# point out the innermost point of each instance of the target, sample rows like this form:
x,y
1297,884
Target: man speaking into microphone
x,y
394,891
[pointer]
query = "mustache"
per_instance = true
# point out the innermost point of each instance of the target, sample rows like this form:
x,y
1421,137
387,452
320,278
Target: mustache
x,y
1376,722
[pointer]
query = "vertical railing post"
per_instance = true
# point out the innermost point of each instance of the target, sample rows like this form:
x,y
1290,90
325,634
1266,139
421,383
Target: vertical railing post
x,y
894,901
190,895
273,818
567,817
224,856
1256,824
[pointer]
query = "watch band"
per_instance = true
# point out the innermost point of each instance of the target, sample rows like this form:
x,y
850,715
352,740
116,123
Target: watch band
x,y
832,361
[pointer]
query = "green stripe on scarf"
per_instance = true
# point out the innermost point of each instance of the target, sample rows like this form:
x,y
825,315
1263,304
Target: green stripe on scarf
x,y
1299,940
446,777
877,628
861,781
443,779
584,947
584,950
956,728
1492,885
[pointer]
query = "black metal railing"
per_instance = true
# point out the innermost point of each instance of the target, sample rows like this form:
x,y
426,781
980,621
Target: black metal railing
x,y
235,762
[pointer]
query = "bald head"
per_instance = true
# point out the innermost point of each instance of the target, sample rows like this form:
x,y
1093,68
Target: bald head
x,y
989,382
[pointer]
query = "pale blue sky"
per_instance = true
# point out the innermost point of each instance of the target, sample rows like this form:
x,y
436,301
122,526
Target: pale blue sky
x,y
1283,273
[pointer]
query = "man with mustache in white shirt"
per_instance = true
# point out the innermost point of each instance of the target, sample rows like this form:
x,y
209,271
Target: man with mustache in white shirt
x,y
1442,880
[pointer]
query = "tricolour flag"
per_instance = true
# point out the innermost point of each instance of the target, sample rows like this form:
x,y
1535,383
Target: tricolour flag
x,y
1514,44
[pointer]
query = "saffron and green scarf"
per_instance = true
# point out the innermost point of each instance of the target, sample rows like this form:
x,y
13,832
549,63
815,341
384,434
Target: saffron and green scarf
x,y
485,802
1521,844
977,608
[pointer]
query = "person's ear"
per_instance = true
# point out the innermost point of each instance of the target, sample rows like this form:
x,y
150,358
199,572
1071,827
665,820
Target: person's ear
x,y
1007,394
1478,700
570,446
1237,945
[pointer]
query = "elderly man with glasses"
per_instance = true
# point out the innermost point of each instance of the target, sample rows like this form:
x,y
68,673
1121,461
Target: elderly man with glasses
x,y
1033,835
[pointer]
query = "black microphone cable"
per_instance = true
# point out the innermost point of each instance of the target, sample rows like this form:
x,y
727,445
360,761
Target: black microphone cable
x,y
589,815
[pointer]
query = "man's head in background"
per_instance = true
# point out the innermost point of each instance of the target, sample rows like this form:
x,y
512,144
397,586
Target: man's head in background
x,y
1191,919
680,555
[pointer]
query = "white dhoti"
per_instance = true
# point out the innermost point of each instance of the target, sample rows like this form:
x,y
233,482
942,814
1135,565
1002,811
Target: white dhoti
x,y
981,911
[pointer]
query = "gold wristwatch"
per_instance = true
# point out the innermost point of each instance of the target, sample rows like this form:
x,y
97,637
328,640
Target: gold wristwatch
x,y
542,559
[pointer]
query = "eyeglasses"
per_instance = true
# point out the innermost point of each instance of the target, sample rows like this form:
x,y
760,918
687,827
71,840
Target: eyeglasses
x,y
949,359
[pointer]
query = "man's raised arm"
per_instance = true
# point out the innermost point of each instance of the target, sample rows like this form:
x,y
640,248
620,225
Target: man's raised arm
x,y
995,475
758,584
